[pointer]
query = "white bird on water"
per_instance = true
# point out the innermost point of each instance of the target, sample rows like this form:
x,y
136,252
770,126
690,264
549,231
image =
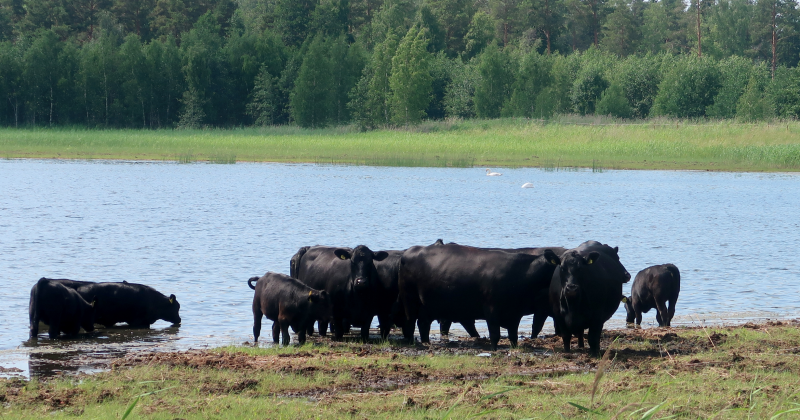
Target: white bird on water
x,y
527,185
490,173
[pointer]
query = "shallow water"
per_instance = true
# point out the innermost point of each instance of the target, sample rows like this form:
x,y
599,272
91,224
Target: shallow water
x,y
201,230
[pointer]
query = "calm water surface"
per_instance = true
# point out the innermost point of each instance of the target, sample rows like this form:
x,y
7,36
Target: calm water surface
x,y
201,230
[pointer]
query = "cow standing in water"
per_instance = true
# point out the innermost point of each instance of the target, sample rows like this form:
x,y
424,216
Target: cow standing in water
x,y
461,283
654,287
287,303
61,307
348,275
585,292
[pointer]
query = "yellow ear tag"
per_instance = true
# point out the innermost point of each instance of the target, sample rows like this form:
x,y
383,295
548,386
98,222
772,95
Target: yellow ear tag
x,y
624,299
553,262
93,302
171,300
342,257
310,293
591,261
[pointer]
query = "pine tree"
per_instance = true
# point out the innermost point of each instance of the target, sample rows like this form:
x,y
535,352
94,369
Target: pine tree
x,y
411,79
532,79
621,32
262,104
312,97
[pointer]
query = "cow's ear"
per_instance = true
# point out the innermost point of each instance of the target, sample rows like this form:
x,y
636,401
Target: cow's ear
x,y
380,256
171,299
616,250
342,254
551,257
593,256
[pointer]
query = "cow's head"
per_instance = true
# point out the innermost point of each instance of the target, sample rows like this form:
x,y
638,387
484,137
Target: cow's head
x,y
362,265
617,270
574,273
320,305
631,314
171,311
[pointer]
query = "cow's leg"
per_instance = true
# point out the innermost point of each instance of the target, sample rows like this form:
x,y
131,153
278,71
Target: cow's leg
x,y
579,334
513,334
301,336
566,338
310,329
385,325
34,327
594,339
55,328
366,322
538,323
257,315
408,330
424,325
338,327
444,326
276,332
285,333
494,333
322,325
469,326
671,312
638,311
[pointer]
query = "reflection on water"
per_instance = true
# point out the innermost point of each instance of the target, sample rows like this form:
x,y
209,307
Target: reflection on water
x,y
200,231
89,352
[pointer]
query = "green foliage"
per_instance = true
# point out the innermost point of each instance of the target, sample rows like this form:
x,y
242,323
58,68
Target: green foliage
x,y
590,83
614,103
785,92
410,80
639,78
459,93
736,72
313,95
494,86
688,88
370,99
754,104
532,79
479,35
621,31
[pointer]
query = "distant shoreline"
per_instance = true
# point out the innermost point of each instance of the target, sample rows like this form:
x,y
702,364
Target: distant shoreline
x,y
649,145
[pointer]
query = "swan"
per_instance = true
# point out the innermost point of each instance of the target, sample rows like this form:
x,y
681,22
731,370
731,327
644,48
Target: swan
x,y
490,173
527,185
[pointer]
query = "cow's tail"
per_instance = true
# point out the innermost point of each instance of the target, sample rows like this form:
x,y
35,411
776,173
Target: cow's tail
x,y
251,280
294,263
676,274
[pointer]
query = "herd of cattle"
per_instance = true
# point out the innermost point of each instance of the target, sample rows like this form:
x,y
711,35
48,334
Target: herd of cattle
x,y
579,288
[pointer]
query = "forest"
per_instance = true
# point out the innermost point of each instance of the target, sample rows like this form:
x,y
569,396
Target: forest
x,y
381,63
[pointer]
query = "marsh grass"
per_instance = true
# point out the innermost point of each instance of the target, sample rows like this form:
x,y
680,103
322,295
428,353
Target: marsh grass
x,y
751,371
558,144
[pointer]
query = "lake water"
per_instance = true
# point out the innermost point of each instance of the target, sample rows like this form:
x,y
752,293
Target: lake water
x,y
201,230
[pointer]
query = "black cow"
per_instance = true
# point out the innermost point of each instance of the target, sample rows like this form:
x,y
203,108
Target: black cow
x,y
540,307
137,305
287,303
462,283
652,288
348,275
62,308
585,292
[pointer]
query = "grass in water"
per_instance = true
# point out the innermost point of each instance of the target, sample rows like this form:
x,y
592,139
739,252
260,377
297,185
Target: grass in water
x,y
562,143
742,372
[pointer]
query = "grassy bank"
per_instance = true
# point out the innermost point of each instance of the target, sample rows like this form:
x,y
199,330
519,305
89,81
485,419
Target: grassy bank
x,y
562,143
750,371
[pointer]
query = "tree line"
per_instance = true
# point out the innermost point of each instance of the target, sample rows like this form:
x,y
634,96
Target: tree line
x,y
170,63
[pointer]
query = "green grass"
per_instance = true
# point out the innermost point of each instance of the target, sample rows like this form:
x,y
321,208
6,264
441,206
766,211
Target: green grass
x,y
728,373
557,145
